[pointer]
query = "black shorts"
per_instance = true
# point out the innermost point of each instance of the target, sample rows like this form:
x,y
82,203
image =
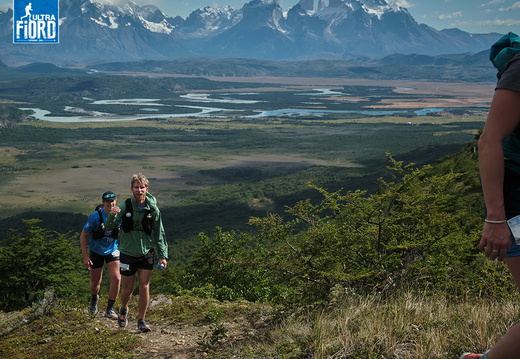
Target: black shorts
x,y
129,264
511,193
98,260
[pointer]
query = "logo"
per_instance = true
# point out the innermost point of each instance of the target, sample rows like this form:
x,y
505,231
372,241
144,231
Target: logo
x,y
35,22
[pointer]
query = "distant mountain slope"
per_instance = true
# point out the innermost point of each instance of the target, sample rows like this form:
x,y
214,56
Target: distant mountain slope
x,y
92,31
461,67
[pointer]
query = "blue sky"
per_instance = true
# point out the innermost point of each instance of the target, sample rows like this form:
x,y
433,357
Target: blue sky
x,y
475,16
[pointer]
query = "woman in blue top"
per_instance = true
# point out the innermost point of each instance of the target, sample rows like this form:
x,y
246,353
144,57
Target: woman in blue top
x,y
103,248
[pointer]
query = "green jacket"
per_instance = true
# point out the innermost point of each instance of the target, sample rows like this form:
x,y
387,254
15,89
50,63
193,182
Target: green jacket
x,y
137,243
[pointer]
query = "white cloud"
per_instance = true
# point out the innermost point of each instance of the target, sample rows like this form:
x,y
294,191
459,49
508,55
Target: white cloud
x,y
515,6
110,2
493,2
499,22
450,16
401,3
489,23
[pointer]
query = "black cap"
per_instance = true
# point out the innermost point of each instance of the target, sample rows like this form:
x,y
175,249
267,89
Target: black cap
x,y
108,196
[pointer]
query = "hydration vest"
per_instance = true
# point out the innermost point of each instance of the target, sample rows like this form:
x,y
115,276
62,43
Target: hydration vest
x,y
100,231
128,220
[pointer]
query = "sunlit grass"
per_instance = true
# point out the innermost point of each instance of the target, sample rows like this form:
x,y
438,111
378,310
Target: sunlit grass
x,y
65,334
406,327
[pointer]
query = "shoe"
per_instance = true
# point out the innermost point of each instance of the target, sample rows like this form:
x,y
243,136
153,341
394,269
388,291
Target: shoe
x,y
111,313
122,318
141,325
93,309
470,356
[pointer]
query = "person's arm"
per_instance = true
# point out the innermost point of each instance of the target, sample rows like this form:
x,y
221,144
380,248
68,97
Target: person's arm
x,y
83,244
159,238
503,118
114,218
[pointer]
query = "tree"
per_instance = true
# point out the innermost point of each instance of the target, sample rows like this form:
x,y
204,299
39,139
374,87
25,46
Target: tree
x,y
34,260
416,232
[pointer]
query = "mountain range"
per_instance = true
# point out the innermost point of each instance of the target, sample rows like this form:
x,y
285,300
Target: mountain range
x,y
92,31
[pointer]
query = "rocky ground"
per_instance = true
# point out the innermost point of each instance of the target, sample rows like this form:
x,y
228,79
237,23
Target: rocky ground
x,y
184,340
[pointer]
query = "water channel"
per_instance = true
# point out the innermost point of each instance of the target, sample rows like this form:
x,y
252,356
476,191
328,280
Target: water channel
x,y
197,110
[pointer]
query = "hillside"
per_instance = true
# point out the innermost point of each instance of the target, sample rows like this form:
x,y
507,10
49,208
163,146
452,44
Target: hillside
x,y
192,324
462,67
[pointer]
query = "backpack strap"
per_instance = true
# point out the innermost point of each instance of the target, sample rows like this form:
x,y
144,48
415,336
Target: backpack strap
x,y
147,222
127,219
100,231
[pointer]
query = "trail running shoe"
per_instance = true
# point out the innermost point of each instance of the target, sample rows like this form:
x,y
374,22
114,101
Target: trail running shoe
x,y
122,318
93,309
470,356
141,325
111,313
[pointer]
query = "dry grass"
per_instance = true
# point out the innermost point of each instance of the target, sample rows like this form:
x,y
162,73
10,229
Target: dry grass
x,y
405,327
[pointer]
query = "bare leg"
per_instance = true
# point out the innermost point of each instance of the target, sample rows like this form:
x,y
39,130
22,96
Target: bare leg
x,y
95,280
509,345
513,264
128,288
115,279
144,291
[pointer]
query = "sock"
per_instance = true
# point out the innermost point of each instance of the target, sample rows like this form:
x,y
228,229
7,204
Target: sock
x,y
110,304
93,298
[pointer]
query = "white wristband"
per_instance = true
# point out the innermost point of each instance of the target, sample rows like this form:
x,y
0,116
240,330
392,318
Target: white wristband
x,y
495,222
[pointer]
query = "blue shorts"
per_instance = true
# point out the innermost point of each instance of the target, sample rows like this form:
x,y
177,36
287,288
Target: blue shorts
x,y
512,205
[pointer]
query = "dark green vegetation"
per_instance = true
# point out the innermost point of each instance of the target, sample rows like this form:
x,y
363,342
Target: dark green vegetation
x,y
388,252
205,176
416,228
299,212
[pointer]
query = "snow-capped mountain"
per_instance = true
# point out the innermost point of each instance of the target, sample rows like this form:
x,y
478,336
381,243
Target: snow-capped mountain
x,y
120,30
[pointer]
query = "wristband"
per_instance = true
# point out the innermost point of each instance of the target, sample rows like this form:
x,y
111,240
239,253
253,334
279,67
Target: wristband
x,y
495,222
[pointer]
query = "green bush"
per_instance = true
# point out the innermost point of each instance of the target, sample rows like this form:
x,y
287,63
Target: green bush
x,y
418,231
37,259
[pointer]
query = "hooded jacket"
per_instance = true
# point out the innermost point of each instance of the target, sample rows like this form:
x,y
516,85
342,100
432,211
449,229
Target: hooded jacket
x,y
504,50
137,243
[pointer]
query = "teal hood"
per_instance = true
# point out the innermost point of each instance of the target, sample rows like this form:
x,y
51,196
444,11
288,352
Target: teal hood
x,y
152,201
504,50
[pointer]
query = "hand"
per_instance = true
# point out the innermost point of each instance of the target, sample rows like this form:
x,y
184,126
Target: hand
x,y
495,241
115,210
164,262
87,262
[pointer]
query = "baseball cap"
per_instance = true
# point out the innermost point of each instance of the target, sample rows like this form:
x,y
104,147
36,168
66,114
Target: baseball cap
x,y
108,196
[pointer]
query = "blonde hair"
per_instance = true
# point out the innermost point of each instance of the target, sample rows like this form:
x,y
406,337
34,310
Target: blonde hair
x,y
139,178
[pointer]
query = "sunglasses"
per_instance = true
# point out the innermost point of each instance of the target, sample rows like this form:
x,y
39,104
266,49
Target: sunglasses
x,y
109,196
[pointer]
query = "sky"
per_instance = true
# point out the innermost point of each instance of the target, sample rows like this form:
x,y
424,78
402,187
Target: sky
x,y
474,16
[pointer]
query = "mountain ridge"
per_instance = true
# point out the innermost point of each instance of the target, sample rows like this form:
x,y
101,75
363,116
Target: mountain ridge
x,y
93,32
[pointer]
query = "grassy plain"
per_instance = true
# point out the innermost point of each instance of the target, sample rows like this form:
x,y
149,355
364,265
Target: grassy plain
x,y
70,174
203,166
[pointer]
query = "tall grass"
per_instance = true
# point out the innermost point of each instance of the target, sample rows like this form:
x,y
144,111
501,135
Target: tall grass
x,y
404,326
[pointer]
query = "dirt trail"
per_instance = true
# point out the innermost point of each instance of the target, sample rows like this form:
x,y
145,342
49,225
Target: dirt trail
x,y
171,342
163,341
